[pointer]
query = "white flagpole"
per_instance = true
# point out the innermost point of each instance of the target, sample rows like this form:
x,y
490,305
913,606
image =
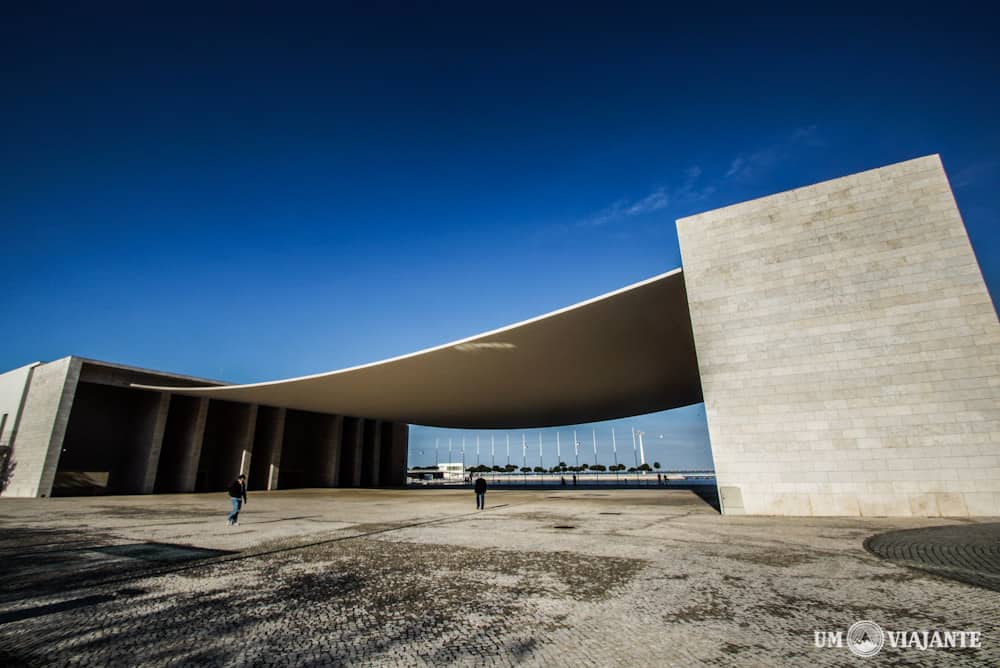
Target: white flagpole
x,y
593,435
635,452
614,446
576,449
539,449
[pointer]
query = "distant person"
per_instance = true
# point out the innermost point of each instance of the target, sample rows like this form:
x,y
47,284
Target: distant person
x,y
659,479
238,495
480,493
574,480
562,479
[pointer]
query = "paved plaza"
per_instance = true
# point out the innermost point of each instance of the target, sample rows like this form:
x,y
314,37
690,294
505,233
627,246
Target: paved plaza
x,y
419,577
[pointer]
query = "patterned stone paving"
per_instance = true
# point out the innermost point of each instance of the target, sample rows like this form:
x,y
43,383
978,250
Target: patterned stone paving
x,y
964,552
414,578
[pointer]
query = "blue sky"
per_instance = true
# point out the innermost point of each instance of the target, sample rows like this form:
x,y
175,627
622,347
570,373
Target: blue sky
x,y
254,192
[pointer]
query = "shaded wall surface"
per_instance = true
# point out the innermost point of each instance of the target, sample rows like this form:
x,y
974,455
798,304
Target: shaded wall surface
x,y
226,444
90,432
109,439
848,349
181,448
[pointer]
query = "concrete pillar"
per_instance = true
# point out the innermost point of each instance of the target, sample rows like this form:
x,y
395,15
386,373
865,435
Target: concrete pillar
x,y
350,471
329,451
247,439
190,455
42,429
145,458
373,452
395,439
181,445
276,439
227,445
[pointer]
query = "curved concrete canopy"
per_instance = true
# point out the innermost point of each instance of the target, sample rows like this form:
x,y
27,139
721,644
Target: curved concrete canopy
x,y
625,353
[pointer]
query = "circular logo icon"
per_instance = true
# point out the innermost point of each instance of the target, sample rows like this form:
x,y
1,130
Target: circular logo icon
x,y
865,638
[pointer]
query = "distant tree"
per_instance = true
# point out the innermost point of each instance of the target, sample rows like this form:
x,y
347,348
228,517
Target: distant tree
x,y
7,466
644,467
656,465
497,469
598,467
631,469
510,468
525,469
554,469
539,469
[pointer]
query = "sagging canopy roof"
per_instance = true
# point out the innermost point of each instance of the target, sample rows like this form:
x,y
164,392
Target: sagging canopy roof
x,y
625,353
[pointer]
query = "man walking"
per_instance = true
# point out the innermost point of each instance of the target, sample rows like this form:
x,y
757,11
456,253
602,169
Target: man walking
x,y
238,496
480,493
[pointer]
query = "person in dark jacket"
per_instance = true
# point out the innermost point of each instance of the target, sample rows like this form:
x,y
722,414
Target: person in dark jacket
x,y
480,493
238,496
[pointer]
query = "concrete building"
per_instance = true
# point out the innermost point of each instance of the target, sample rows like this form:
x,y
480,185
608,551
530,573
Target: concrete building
x,y
840,335
79,426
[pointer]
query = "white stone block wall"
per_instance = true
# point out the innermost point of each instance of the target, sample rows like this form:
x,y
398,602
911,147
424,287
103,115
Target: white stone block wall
x,y
848,348
13,387
38,443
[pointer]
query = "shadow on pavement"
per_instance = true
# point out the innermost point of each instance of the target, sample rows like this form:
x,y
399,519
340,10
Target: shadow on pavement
x,y
968,553
80,560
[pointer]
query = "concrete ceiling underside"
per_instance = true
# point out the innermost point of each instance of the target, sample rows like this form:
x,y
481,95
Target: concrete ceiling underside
x,y
625,353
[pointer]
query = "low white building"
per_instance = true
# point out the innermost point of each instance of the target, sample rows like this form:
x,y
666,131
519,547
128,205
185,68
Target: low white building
x,y
453,471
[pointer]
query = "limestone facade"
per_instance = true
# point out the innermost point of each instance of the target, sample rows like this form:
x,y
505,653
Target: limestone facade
x,y
848,349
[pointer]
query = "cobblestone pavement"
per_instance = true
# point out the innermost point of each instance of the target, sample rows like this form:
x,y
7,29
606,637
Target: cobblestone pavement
x,y
965,552
392,577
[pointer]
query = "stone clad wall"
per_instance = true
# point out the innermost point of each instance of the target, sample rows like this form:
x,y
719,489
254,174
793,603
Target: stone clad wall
x,y
39,439
13,392
848,348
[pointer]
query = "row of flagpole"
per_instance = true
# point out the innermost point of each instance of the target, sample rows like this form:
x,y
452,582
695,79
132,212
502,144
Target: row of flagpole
x,y
638,448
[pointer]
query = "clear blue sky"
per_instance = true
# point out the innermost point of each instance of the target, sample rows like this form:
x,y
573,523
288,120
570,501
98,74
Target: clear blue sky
x,y
260,191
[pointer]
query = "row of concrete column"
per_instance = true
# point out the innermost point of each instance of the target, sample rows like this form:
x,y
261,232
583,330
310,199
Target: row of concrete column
x,y
200,445
85,429
146,442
